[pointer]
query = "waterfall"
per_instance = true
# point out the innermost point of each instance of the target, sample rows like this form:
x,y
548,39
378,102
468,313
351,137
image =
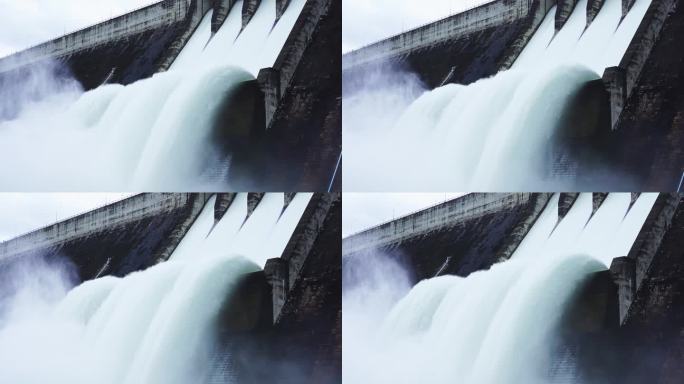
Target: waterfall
x,y
154,326
155,134
493,326
495,134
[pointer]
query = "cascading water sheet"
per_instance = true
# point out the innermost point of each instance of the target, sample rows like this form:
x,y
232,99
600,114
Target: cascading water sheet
x,y
154,326
494,326
498,133
155,134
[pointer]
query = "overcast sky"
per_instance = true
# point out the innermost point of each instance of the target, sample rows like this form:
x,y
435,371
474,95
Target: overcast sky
x,y
363,210
24,212
24,23
367,21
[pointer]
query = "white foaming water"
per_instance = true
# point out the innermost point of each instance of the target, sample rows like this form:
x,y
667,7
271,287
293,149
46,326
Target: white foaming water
x,y
153,135
494,134
155,326
494,326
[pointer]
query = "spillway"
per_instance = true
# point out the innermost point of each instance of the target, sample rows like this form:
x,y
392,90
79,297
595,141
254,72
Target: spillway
x,y
493,326
159,325
173,131
498,133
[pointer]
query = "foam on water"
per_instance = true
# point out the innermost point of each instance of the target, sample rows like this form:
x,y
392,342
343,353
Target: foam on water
x,y
494,326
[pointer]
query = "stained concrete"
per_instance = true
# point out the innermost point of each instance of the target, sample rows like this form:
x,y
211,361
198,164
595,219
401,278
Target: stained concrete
x,y
458,237
117,239
459,49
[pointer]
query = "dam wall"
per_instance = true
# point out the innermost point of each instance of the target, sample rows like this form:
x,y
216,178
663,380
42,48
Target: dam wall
x,y
457,237
122,50
116,239
300,149
647,101
461,48
307,335
650,282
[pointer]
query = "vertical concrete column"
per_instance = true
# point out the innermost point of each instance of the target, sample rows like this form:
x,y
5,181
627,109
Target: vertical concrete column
x,y
626,6
563,11
565,202
269,83
223,202
623,271
633,198
281,6
597,199
276,271
253,200
593,8
288,199
249,8
614,79
221,10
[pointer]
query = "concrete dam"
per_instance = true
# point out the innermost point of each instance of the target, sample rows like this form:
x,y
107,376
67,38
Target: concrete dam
x,y
510,288
589,89
177,288
237,93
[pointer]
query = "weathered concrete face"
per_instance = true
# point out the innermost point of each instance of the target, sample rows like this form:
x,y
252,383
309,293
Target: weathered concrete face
x,y
302,142
114,240
593,8
221,10
458,237
649,131
304,345
650,284
459,49
249,8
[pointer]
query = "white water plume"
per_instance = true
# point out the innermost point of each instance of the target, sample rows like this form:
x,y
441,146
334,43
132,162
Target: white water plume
x,y
495,326
157,326
156,134
496,134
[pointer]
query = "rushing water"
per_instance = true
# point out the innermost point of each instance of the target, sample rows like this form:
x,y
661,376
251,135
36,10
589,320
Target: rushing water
x,y
156,326
494,326
155,134
494,134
